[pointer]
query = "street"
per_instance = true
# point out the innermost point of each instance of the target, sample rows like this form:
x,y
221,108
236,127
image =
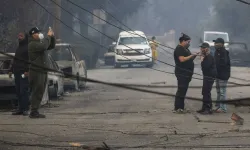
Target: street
x,y
129,120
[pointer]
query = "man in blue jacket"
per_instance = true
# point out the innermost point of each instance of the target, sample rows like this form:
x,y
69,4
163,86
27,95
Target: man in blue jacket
x,y
223,66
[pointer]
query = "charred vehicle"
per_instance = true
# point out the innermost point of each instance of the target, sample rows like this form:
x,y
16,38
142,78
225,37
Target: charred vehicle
x,y
55,79
70,64
7,84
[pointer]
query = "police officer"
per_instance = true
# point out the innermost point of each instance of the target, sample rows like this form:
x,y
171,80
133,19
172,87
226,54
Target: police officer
x,y
184,67
38,44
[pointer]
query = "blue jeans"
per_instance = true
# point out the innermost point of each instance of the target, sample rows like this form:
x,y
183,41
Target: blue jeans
x,y
221,88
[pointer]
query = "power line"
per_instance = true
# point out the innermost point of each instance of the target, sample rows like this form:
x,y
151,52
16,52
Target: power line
x,y
101,7
243,2
107,36
232,102
238,101
143,37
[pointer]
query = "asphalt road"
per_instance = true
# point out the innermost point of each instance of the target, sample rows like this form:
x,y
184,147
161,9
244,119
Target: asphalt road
x,y
126,119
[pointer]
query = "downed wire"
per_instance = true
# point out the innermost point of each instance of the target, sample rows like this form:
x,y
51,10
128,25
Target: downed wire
x,y
107,48
138,35
238,101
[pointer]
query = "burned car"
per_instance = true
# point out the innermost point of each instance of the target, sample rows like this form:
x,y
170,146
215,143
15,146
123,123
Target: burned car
x,y
70,64
55,79
7,84
5,66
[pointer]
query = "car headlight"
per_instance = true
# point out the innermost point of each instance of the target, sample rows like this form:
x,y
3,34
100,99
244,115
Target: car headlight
x,y
119,51
147,51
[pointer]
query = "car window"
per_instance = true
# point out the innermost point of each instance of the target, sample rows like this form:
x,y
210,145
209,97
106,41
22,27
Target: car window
x,y
132,40
61,53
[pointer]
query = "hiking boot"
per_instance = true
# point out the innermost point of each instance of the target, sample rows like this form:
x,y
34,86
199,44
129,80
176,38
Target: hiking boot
x,y
17,112
36,115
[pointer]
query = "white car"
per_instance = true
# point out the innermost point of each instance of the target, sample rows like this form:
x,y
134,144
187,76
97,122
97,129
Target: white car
x,y
55,79
131,48
70,63
209,36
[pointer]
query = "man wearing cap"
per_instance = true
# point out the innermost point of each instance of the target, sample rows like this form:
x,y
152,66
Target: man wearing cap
x,y
38,44
209,74
184,68
223,66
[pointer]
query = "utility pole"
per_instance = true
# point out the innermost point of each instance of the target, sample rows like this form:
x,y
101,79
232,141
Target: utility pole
x,y
56,23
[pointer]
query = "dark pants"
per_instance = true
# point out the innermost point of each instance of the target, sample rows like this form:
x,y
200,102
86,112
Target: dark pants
x,y
22,91
37,81
206,92
183,83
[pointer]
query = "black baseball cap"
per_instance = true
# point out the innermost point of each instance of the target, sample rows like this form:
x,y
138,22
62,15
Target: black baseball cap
x,y
219,40
205,45
34,31
184,37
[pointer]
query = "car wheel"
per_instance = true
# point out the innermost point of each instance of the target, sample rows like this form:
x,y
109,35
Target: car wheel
x,y
53,93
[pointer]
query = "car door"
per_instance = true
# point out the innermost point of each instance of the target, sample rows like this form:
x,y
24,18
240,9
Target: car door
x,y
59,76
81,69
75,68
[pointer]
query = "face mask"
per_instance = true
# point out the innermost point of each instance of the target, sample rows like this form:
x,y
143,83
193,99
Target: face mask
x,y
187,46
217,47
41,36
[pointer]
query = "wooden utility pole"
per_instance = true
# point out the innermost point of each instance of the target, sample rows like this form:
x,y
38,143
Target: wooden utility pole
x,y
56,23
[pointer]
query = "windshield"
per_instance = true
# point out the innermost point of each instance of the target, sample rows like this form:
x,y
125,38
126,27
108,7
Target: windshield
x,y
132,40
211,36
61,53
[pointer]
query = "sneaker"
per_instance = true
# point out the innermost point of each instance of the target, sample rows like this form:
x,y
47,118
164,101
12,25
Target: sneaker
x,y
179,111
25,113
200,111
17,112
206,112
220,110
36,115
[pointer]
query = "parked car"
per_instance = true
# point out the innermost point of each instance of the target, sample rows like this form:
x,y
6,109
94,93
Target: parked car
x,y
7,85
55,79
133,49
69,63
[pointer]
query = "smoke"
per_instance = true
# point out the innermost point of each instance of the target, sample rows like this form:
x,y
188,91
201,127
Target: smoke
x,y
161,16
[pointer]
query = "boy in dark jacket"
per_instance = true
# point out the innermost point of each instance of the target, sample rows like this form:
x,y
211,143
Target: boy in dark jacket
x,y
209,73
223,66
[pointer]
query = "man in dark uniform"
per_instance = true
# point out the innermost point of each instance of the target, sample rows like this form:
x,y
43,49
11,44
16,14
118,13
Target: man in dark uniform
x,y
20,70
38,45
209,71
184,67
